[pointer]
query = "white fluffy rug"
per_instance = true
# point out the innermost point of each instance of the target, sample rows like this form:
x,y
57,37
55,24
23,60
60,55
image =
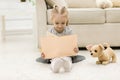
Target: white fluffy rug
x,y
85,70
18,62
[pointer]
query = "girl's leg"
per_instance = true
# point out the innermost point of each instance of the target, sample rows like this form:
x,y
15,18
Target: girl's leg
x,y
46,61
67,64
77,58
56,64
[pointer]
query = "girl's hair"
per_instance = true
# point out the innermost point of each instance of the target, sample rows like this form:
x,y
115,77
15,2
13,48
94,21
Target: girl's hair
x,y
62,11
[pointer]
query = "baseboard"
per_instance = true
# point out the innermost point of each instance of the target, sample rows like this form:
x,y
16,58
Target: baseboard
x,y
113,47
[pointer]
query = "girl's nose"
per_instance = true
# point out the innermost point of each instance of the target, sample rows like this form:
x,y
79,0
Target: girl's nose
x,y
59,26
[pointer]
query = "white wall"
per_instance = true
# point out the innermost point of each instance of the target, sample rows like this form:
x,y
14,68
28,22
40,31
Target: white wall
x,y
23,10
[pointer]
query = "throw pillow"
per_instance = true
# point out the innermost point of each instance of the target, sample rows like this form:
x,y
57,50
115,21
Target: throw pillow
x,y
116,3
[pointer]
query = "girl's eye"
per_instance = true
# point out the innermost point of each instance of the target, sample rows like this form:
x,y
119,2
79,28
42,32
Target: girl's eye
x,y
57,23
95,50
63,23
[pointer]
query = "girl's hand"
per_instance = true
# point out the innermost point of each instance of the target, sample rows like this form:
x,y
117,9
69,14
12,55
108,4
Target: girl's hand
x,y
76,50
42,55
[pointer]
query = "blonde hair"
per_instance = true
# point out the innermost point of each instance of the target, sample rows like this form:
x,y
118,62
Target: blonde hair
x,y
62,11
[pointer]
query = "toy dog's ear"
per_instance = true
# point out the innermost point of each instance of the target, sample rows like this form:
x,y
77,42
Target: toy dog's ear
x,y
89,47
101,46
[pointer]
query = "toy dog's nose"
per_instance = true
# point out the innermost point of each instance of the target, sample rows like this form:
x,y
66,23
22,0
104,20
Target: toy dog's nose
x,y
91,53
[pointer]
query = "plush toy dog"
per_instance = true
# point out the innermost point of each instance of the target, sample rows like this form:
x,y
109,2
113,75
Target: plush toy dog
x,y
104,55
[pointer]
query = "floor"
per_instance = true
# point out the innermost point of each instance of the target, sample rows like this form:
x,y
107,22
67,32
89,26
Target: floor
x,y
18,56
18,62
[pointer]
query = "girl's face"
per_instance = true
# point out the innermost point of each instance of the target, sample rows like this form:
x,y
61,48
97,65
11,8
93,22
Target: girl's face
x,y
59,22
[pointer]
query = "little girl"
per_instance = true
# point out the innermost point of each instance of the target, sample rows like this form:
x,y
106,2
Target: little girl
x,y
60,21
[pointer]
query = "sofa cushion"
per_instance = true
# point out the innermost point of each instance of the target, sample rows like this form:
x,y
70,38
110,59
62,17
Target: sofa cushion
x,y
83,15
81,3
57,2
113,15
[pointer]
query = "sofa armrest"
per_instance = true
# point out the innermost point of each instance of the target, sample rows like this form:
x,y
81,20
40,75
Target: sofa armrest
x,y
41,21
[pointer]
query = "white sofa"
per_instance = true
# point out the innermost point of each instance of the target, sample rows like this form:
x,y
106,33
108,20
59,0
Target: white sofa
x,y
92,25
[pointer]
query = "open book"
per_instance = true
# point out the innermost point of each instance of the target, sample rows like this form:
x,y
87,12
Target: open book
x,y
53,46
